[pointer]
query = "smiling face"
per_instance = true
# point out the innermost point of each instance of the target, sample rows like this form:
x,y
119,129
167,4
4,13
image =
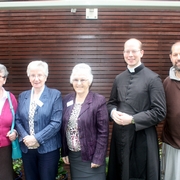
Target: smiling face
x,y
37,78
175,56
133,52
80,84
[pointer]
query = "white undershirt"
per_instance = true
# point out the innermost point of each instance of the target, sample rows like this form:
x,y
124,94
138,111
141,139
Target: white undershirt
x,y
3,99
32,91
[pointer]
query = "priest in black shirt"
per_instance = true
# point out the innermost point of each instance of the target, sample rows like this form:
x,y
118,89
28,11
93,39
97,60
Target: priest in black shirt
x,y
136,105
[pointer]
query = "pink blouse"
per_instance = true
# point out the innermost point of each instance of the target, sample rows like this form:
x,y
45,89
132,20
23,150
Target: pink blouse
x,y
6,120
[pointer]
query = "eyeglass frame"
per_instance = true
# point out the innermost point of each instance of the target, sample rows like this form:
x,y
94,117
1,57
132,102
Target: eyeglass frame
x,y
79,80
133,51
2,76
38,76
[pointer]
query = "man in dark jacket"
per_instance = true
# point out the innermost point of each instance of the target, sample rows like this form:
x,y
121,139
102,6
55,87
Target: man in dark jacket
x,y
137,104
171,129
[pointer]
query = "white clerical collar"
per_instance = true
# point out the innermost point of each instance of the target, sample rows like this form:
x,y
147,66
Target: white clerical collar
x,y
133,68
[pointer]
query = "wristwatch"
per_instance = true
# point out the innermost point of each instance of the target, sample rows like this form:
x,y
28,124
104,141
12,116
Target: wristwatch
x,y
132,121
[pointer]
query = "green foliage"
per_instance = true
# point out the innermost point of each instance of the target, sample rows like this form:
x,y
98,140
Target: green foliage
x,y
17,165
61,170
107,161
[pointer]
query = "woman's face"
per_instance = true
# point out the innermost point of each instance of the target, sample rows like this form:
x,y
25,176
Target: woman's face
x,y
37,78
2,79
80,84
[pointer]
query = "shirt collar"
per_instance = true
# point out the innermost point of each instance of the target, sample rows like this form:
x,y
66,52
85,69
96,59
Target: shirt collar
x,y
172,74
4,93
133,69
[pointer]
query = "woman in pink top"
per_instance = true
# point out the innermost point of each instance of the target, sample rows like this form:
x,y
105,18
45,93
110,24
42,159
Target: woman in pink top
x,y
6,170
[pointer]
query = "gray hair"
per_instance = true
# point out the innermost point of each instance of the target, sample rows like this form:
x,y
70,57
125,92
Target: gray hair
x,y
84,69
36,64
3,70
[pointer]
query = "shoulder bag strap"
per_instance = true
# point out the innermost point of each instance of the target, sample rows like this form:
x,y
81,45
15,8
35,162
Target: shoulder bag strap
x,y
12,110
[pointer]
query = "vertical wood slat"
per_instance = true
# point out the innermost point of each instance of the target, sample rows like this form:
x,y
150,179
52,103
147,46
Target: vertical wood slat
x,y
63,39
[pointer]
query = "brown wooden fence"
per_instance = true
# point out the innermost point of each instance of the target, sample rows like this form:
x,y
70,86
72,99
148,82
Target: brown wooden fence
x,y
63,39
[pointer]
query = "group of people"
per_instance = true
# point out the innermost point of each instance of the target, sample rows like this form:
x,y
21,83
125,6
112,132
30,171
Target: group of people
x,y
78,124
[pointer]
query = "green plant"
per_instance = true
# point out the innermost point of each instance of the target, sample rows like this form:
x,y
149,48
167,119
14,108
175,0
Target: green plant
x,y
61,171
17,165
107,161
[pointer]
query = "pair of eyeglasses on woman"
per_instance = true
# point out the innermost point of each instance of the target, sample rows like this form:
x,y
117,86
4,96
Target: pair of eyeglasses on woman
x,y
79,80
2,76
33,76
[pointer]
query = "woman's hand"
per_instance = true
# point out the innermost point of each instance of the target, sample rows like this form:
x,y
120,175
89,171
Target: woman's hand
x,y
94,165
12,136
66,160
30,141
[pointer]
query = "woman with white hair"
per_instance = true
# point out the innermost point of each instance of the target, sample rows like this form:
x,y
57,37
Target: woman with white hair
x,y
84,128
38,122
6,118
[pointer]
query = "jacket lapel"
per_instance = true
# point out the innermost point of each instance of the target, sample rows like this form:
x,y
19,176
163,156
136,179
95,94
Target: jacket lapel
x,y
86,103
44,97
27,101
68,105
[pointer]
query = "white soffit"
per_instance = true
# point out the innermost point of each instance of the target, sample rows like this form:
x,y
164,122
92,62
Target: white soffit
x,y
62,4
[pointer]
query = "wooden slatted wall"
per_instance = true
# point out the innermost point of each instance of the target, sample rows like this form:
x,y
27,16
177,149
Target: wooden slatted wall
x,y
63,39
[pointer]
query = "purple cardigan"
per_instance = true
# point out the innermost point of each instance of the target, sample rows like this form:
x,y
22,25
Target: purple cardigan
x,y
92,125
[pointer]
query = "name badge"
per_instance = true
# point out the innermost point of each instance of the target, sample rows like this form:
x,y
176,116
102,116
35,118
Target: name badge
x,y
39,103
69,103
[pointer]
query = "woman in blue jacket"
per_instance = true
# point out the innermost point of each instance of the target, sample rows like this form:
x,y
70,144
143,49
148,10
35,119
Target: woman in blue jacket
x,y
38,122
84,128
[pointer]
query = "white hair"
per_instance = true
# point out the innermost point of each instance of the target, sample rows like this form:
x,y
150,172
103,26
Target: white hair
x,y
84,69
37,64
3,70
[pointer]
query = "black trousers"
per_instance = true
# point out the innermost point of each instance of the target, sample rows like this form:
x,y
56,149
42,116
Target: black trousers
x,y
40,166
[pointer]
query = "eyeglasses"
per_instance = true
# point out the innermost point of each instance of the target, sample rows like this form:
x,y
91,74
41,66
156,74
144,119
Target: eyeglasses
x,y
133,51
79,80
38,76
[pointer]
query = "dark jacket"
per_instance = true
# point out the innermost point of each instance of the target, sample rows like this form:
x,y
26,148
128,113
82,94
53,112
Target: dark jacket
x,y
171,132
92,126
134,148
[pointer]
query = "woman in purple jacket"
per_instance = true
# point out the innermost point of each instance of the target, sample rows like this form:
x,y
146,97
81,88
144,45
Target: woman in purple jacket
x,y
84,128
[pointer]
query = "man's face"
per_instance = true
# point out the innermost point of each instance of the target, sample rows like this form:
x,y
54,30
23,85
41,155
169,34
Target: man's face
x,y
132,53
175,56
